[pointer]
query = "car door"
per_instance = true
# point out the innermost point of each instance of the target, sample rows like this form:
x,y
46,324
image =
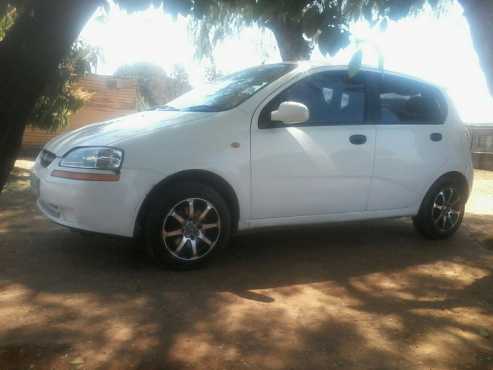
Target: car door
x,y
411,144
319,167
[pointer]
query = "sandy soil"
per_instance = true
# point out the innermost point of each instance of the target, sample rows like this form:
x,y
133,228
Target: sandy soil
x,y
366,295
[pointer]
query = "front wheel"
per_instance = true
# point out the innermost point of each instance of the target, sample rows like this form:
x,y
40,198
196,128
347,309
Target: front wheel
x,y
442,210
186,225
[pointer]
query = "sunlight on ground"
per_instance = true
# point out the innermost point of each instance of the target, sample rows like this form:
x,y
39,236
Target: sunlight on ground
x,y
481,200
372,297
338,324
24,164
20,176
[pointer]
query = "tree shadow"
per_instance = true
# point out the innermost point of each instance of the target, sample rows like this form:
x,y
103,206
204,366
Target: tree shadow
x,y
371,295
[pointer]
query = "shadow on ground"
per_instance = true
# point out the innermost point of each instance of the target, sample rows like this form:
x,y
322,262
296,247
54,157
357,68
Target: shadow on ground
x,y
369,295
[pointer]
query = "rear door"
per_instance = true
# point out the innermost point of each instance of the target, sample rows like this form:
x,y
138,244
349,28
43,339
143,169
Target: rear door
x,y
318,167
411,142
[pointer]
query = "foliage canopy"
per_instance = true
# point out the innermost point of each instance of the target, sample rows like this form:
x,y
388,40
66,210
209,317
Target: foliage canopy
x,y
156,87
62,96
298,25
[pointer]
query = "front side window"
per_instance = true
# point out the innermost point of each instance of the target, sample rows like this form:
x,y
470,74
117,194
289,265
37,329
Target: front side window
x,y
404,101
331,97
230,91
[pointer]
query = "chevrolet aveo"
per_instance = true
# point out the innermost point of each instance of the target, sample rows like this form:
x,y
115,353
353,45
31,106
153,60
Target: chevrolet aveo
x,y
278,144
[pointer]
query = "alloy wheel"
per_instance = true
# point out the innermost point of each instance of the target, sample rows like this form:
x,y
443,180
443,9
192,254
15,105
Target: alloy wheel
x,y
191,229
447,209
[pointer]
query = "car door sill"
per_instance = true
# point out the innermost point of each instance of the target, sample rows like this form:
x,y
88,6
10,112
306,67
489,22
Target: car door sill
x,y
329,218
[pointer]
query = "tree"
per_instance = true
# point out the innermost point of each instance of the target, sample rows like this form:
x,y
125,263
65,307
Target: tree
x,y
156,87
30,53
212,73
299,25
479,15
45,30
178,83
147,75
63,96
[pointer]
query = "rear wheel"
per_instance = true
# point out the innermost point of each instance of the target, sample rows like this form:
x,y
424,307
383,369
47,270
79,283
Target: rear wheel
x,y
187,224
442,209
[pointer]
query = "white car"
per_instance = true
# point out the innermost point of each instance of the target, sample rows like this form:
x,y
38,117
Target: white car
x,y
278,144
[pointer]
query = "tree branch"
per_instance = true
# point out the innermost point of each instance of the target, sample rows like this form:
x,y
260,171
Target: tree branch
x,y
29,57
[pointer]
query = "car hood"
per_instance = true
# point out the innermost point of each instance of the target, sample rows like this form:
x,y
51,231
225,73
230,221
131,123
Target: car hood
x,y
120,129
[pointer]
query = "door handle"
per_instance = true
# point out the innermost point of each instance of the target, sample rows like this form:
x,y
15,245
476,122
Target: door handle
x,y
436,136
357,139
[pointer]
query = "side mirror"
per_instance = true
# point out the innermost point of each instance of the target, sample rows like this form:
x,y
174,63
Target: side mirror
x,y
291,112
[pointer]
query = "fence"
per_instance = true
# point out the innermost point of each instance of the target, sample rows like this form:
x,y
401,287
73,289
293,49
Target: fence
x,y
482,146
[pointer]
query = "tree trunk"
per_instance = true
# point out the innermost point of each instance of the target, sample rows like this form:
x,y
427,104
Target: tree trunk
x,y
290,41
479,15
29,57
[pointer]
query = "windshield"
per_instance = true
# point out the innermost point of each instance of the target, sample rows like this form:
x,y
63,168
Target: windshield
x,y
230,91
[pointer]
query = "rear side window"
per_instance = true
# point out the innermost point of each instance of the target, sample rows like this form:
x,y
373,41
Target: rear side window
x,y
404,101
331,97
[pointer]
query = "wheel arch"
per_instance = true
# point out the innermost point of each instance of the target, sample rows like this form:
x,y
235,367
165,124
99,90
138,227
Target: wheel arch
x,y
456,175
205,177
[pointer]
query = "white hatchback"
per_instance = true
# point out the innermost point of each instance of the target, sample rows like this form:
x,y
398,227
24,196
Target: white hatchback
x,y
278,144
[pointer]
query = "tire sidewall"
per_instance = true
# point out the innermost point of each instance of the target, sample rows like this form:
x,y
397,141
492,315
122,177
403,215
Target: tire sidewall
x,y
162,203
424,221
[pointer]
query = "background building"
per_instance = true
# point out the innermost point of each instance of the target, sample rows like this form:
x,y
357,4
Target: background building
x,y
110,97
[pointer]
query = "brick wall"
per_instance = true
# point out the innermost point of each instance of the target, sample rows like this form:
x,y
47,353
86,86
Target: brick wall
x,y
111,97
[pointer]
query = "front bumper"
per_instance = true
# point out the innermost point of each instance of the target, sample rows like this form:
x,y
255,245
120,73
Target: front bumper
x,y
96,206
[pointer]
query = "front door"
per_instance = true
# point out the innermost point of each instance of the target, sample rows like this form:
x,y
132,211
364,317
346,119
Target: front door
x,y
318,167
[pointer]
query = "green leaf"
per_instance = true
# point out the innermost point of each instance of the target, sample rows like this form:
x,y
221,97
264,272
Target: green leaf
x,y
311,21
332,39
62,96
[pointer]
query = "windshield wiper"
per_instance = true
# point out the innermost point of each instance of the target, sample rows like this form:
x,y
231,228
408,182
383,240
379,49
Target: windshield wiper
x,y
201,108
167,107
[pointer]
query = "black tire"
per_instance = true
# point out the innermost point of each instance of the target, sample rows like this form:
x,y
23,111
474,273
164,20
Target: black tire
x,y
164,250
437,223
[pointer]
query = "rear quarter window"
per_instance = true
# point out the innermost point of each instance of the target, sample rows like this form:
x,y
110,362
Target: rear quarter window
x,y
405,101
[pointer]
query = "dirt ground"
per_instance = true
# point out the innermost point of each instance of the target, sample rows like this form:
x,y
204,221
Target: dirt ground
x,y
366,295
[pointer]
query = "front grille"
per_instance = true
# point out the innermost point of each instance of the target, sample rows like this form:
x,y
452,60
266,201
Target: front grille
x,y
46,158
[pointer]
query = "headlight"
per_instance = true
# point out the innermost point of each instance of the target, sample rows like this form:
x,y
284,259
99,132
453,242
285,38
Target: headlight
x,y
95,158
